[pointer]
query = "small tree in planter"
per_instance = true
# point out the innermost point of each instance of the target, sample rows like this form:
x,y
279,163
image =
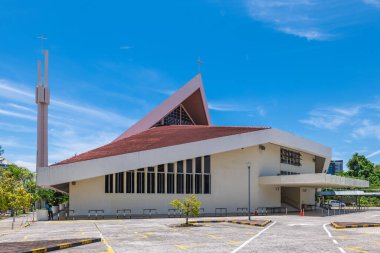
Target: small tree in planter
x,y
188,206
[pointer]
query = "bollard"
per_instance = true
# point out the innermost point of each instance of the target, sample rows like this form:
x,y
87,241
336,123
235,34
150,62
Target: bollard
x,y
286,211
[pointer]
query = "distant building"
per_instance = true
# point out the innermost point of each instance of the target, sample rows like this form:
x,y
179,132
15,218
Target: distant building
x,y
335,167
4,162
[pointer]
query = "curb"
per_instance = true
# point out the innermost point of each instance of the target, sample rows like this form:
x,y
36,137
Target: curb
x,y
232,221
247,223
63,246
369,225
207,221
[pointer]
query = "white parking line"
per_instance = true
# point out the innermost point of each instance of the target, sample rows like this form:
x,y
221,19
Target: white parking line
x,y
330,235
341,250
252,238
327,231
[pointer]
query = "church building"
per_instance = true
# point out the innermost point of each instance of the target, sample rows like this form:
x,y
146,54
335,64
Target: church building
x,y
175,151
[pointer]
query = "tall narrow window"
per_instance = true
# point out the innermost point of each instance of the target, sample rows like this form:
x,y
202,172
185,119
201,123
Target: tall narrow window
x,y
180,178
198,175
130,182
108,183
207,174
150,180
189,176
140,181
161,178
170,178
119,182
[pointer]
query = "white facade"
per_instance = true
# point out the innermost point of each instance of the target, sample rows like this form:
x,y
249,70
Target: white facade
x,y
229,185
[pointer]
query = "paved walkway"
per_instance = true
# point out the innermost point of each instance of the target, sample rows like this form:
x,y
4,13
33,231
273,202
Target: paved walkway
x,y
19,222
290,233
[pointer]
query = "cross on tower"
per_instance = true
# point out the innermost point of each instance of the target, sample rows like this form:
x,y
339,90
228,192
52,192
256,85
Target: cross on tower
x,y
199,64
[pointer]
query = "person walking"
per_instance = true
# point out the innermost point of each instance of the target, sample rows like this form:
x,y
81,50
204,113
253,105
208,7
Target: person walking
x,y
50,211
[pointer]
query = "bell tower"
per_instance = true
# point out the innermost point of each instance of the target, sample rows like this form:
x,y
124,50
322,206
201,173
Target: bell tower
x,y
42,101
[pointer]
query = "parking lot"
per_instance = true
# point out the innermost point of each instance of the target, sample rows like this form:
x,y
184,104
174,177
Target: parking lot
x,y
290,233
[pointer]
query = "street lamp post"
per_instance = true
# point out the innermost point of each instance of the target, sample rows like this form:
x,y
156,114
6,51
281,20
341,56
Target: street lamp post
x,y
249,190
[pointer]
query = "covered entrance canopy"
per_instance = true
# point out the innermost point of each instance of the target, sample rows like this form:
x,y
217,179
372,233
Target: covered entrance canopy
x,y
349,193
320,180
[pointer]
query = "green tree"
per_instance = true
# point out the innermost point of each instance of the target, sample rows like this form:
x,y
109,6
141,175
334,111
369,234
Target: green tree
x,y
360,167
13,195
188,206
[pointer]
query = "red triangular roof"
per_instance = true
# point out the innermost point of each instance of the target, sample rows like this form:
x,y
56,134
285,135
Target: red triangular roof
x,y
191,96
159,137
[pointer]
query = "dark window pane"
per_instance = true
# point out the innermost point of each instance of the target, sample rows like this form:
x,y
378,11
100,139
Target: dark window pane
x,y
119,182
189,166
207,164
161,183
198,183
207,180
170,183
109,183
180,167
189,183
140,181
150,169
180,183
170,167
198,165
178,116
130,182
161,168
151,181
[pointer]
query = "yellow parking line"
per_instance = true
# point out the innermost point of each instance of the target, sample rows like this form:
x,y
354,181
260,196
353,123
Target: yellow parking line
x,y
233,242
357,249
183,247
342,236
215,235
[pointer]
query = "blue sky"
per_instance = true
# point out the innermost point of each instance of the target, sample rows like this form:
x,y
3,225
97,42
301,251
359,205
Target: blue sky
x,y
308,67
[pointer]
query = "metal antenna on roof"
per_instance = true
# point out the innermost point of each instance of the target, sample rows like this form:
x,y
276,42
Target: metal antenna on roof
x,y
199,64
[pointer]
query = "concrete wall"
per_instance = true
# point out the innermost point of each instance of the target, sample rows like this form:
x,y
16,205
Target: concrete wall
x,y
229,185
307,196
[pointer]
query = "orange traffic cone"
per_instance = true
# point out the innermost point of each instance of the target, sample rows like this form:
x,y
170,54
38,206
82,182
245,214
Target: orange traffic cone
x,y
301,213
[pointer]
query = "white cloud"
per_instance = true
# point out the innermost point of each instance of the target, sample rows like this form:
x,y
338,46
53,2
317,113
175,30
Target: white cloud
x,y
225,107
29,165
308,34
367,129
309,19
375,3
20,107
9,127
11,142
374,154
330,118
261,111
17,115
125,47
